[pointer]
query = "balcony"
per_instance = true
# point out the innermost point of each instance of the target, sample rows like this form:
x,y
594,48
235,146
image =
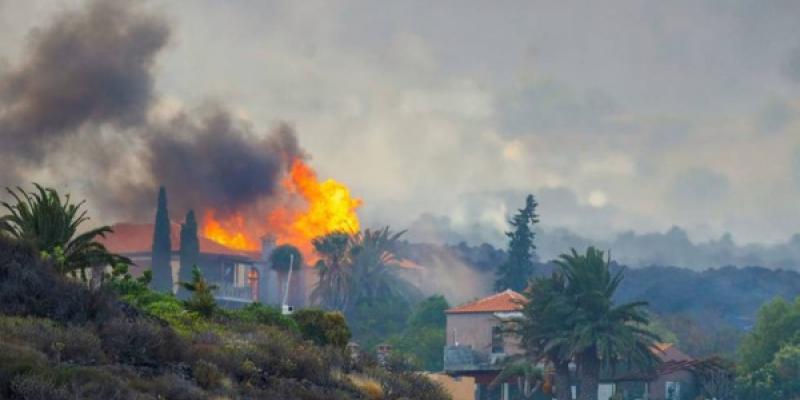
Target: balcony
x,y
233,293
464,359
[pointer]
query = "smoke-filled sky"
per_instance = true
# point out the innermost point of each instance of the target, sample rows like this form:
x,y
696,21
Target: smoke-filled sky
x,y
621,115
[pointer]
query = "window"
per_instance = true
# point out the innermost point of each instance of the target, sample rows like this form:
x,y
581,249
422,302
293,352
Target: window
x,y
672,390
605,391
497,340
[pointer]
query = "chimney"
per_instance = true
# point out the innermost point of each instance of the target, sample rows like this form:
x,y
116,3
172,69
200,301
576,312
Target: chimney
x,y
267,245
383,352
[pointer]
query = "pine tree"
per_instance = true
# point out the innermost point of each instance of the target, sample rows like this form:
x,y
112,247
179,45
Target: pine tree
x,y
189,251
162,246
518,268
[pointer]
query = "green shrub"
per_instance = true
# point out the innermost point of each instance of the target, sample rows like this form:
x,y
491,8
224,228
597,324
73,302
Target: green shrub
x,y
75,344
30,287
37,387
207,375
140,342
17,360
262,314
102,382
407,385
323,328
174,387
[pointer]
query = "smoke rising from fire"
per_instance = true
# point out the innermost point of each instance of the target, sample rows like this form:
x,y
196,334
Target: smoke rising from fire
x,y
85,93
87,68
220,163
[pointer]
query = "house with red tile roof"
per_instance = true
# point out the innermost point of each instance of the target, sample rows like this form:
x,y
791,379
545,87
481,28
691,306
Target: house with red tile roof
x,y
477,345
243,277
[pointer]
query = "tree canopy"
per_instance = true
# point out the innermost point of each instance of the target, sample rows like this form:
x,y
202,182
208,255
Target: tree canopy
x,y
50,224
515,272
162,246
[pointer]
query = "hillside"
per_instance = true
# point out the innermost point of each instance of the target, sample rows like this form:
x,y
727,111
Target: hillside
x,y
60,340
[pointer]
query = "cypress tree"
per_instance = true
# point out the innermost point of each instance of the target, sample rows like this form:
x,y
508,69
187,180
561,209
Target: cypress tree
x,y
162,246
189,251
518,268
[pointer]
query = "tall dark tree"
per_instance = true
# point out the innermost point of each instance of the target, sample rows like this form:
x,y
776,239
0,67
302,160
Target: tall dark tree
x,y
518,268
189,251
162,246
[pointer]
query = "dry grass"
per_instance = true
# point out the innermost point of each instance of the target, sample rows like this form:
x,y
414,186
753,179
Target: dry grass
x,y
368,386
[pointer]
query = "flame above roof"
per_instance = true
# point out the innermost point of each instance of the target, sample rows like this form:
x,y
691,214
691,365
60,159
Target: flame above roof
x,y
507,301
132,238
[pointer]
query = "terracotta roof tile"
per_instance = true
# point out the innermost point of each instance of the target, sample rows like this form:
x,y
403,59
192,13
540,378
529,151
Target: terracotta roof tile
x,y
130,238
669,352
500,302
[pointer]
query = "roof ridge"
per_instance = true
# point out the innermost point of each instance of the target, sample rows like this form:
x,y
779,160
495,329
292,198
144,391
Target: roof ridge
x,y
489,303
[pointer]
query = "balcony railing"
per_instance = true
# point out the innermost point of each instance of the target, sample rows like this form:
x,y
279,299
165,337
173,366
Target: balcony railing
x,y
464,359
230,292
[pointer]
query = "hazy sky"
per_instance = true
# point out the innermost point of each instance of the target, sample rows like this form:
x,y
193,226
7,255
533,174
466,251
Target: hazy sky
x,y
618,115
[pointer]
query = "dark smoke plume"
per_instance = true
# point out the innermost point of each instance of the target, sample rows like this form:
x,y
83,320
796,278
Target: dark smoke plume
x,y
85,92
219,163
90,67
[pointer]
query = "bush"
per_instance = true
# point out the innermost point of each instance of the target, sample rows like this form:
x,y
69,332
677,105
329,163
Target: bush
x,y
408,385
17,360
323,328
74,344
104,382
207,375
30,287
261,314
141,343
169,386
36,387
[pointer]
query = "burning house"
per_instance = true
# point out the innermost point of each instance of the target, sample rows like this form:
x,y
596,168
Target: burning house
x,y
242,276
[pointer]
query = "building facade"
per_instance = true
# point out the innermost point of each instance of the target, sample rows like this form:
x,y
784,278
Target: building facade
x,y
242,277
477,345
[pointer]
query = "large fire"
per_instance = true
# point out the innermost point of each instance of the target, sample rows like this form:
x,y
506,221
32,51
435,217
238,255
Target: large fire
x,y
324,207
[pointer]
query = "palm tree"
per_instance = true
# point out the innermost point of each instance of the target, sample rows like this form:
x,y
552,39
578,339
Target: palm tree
x,y
543,332
359,268
529,378
374,268
281,258
202,299
601,334
333,269
49,223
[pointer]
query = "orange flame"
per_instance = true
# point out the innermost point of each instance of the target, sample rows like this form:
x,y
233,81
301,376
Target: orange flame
x,y
325,207
228,232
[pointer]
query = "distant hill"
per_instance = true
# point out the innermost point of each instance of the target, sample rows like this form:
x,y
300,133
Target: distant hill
x,y
635,249
708,310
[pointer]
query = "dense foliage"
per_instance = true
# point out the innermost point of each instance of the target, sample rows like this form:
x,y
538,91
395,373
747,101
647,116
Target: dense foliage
x,y
571,317
60,340
63,339
423,337
360,275
770,354
49,224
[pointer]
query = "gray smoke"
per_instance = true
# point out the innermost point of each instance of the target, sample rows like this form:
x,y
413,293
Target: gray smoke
x,y
219,163
85,91
88,68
